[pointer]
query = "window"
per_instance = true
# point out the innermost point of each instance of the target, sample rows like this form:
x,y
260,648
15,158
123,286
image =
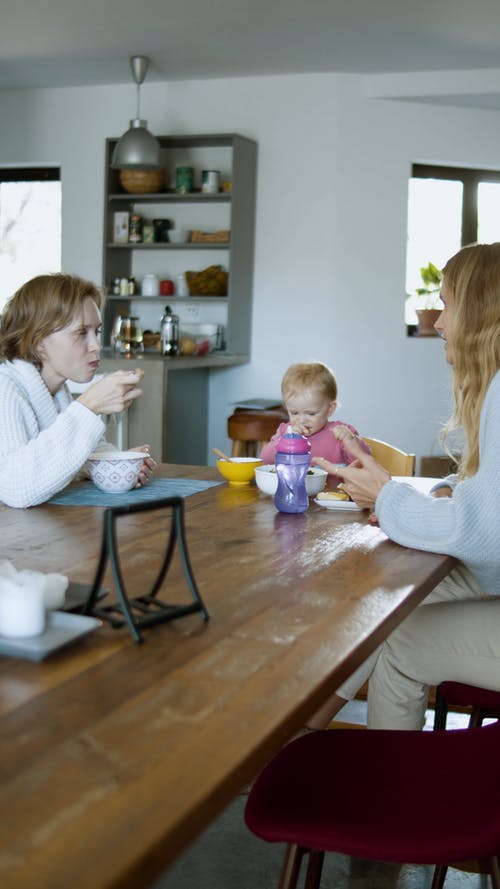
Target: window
x,y
30,225
448,207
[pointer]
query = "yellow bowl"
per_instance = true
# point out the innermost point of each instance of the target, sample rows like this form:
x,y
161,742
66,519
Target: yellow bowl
x,y
240,471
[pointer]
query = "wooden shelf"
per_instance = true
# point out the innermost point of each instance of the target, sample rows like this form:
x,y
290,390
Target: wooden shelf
x,y
165,245
233,211
160,197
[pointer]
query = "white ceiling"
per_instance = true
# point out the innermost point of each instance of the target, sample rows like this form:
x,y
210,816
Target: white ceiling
x,y
50,43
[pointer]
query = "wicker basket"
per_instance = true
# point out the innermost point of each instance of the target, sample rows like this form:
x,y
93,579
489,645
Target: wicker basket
x,y
220,237
212,281
142,181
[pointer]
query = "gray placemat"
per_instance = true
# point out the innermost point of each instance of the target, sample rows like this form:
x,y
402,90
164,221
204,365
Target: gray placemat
x,y
86,493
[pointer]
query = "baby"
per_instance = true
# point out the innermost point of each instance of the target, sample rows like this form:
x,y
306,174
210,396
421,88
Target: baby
x,y
309,392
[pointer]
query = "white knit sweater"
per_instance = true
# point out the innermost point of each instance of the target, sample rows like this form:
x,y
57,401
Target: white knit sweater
x,y
466,525
44,440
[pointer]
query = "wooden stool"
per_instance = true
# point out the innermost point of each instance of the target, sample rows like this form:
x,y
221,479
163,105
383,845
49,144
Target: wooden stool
x,y
250,430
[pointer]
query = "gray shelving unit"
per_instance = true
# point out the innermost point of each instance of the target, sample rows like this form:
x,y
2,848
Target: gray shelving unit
x,y
118,259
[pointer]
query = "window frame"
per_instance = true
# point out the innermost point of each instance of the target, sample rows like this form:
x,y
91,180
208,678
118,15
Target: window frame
x,y
470,179
32,173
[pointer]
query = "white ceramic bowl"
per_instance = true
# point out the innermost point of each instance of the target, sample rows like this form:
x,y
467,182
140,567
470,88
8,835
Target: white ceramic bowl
x,y
178,235
267,480
115,471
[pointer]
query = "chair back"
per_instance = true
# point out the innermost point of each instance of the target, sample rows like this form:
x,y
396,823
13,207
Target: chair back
x,y
394,460
250,430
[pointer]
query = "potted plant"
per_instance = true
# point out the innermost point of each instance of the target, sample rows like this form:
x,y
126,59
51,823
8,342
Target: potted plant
x,y
429,306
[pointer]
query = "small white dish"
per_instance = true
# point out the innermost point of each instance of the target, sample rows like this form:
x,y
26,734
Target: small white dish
x,y
341,505
62,629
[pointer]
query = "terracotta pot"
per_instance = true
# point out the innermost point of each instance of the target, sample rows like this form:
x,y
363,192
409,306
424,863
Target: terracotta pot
x,y
426,320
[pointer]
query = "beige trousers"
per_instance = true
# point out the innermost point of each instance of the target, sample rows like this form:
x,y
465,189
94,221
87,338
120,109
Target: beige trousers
x,y
454,635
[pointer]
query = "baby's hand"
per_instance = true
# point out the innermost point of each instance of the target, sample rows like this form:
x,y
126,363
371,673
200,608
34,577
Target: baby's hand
x,y
344,434
300,429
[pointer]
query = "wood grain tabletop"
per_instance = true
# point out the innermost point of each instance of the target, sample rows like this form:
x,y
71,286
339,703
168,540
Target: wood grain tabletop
x,y
115,755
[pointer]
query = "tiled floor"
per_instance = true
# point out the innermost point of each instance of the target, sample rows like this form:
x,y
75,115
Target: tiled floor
x,y
228,856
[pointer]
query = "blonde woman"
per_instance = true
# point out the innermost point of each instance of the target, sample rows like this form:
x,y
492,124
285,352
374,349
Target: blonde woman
x,y
455,634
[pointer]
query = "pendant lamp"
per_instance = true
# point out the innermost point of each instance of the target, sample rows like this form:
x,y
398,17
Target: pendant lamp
x,y
137,148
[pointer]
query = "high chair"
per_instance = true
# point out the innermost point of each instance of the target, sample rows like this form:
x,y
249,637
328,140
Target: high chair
x,y
394,460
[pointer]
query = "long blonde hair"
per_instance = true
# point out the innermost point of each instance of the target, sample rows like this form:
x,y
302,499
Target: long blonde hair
x,y
472,281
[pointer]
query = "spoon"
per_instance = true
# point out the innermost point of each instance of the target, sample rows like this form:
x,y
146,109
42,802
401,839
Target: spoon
x,y
222,455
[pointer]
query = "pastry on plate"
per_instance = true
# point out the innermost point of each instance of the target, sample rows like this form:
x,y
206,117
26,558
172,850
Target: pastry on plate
x,y
332,495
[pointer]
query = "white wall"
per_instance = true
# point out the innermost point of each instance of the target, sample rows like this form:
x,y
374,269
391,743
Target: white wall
x,y
333,168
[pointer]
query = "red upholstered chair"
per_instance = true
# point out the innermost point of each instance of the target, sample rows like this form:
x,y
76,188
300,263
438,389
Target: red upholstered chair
x,y
366,794
482,703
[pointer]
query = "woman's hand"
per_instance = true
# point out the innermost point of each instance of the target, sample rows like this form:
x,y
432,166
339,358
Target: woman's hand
x,y
148,467
114,393
444,491
363,479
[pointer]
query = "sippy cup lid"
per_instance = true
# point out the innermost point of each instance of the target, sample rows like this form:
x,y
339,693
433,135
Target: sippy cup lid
x,y
293,443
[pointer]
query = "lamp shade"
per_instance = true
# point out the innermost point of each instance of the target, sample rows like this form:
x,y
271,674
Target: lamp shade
x,y
137,148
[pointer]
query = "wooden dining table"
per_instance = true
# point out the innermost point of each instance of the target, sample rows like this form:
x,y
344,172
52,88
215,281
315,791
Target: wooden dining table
x,y
114,755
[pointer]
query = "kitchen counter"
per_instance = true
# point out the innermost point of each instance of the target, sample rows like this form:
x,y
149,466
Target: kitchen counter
x,y
172,414
181,362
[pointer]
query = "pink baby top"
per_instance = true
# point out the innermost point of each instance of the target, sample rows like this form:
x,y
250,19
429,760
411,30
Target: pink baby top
x,y
323,444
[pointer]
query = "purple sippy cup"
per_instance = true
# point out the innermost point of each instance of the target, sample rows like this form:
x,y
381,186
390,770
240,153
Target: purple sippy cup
x,y
292,461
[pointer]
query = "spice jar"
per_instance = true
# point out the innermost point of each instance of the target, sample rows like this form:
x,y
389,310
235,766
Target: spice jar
x,y
135,230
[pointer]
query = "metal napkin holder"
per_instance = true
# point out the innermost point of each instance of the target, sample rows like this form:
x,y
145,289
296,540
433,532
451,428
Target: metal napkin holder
x,y
140,612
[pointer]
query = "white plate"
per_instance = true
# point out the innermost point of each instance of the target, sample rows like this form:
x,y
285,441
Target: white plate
x,y
62,629
342,505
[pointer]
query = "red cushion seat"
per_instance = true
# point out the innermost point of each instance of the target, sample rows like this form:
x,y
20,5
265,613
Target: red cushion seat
x,y
366,794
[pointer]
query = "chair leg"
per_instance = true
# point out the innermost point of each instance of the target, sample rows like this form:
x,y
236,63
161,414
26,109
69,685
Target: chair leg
x,y
440,711
495,871
314,869
439,876
238,449
291,867
476,717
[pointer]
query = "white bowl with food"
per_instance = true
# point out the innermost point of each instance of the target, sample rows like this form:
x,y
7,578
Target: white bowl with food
x,y
267,479
115,471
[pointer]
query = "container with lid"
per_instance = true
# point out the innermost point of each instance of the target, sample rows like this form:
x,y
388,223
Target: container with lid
x,y
150,285
169,326
292,461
